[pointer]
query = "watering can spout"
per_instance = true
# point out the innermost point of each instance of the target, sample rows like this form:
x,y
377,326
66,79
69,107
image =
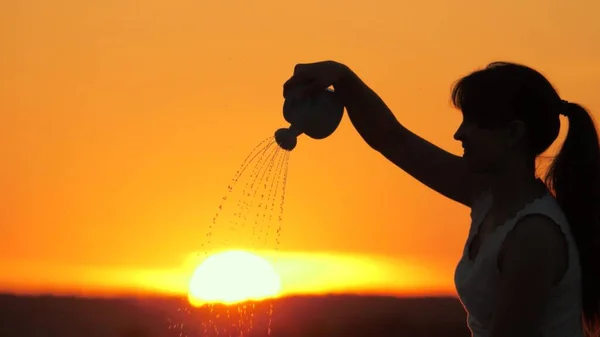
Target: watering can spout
x,y
293,129
287,138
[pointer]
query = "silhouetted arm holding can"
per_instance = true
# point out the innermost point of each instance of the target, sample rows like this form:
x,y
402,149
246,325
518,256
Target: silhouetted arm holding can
x,y
438,169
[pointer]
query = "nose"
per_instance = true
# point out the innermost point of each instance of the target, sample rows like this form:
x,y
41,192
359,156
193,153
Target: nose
x,y
460,133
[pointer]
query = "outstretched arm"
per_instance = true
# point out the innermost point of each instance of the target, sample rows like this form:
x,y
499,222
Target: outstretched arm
x,y
436,168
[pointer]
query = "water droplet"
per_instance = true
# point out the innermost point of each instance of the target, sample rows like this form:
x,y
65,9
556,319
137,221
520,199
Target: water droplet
x,y
261,182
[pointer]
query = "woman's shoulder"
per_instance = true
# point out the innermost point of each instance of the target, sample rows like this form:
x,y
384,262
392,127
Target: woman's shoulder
x,y
536,243
547,207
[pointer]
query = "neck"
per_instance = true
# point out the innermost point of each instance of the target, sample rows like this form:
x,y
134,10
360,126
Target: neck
x,y
512,188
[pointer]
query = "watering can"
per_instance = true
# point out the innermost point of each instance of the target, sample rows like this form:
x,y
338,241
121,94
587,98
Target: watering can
x,y
316,116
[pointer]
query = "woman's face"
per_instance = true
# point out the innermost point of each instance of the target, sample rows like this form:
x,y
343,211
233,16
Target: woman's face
x,y
485,149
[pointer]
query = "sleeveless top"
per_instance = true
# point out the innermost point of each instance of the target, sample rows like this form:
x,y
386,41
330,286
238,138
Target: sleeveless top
x,y
477,280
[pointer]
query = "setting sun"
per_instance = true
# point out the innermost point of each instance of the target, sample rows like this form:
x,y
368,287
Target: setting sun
x,y
233,276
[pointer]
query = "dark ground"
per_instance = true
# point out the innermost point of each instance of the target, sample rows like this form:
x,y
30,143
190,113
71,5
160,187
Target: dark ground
x,y
171,317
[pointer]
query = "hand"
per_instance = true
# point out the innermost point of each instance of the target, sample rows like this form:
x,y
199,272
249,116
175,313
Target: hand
x,y
311,77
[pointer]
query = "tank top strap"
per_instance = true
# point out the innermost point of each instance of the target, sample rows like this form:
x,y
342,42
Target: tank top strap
x,y
545,205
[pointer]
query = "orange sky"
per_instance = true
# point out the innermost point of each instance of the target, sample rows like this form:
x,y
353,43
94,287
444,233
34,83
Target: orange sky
x,y
121,124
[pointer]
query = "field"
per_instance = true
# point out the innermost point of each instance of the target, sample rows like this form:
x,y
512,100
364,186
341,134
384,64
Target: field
x,y
47,316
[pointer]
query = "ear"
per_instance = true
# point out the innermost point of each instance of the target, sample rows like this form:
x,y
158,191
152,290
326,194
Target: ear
x,y
516,132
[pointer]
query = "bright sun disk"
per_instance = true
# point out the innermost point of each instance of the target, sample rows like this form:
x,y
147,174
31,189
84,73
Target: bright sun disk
x,y
231,277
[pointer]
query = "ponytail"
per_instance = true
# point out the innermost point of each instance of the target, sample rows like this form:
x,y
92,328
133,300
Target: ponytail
x,y
574,176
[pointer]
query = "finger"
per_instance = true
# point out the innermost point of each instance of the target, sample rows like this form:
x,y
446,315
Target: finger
x,y
301,78
313,87
301,67
294,83
305,89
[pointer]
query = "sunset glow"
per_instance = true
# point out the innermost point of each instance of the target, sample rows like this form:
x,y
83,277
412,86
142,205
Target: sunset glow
x,y
231,277
123,122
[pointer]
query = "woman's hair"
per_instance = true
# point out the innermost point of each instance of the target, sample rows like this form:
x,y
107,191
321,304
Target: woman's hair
x,y
503,92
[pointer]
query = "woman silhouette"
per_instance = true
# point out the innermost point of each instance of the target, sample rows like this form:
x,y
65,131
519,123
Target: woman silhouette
x,y
531,262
